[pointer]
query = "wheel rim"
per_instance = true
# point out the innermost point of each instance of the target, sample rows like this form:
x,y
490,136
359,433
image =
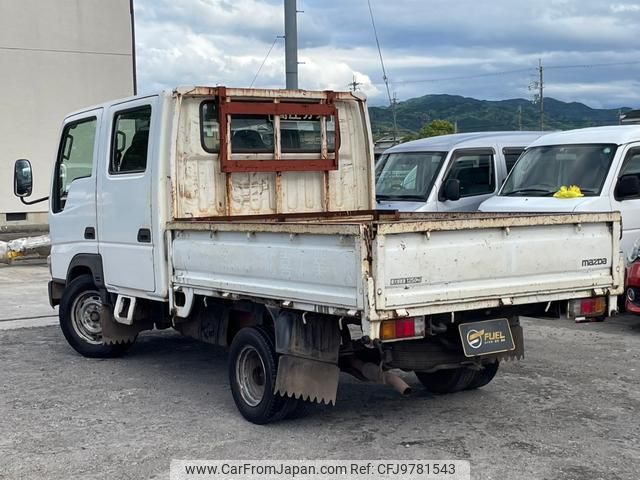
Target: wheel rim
x,y
251,376
85,317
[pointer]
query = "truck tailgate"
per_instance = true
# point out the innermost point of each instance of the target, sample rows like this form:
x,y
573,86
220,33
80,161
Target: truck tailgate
x,y
482,261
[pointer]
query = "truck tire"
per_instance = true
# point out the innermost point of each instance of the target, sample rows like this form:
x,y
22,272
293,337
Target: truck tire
x,y
253,367
294,409
79,313
446,381
484,376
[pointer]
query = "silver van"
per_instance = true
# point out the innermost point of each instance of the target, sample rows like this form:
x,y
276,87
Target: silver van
x,y
448,173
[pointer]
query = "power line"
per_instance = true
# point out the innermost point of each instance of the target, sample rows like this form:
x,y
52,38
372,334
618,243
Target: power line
x,y
592,65
462,77
265,60
392,102
510,72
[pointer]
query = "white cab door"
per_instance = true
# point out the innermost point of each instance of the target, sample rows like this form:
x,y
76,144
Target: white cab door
x,y
124,202
72,221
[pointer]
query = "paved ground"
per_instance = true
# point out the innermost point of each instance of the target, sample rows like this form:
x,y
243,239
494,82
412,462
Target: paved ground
x,y
568,411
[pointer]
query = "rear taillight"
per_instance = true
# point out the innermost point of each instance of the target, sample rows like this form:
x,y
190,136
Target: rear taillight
x,y
587,307
410,327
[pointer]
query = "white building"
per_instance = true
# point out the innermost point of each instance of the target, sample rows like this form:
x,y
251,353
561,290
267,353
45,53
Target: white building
x,y
56,56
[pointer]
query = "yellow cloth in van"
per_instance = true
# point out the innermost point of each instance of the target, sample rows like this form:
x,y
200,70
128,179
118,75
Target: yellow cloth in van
x,y
573,191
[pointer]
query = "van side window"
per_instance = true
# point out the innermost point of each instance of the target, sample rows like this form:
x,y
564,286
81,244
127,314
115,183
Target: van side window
x,y
511,156
75,158
476,173
130,141
631,166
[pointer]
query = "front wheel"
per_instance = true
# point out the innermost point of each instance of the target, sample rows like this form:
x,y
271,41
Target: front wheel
x,y
80,313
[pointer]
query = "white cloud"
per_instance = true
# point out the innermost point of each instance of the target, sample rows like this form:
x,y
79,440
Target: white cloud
x,y
225,42
625,7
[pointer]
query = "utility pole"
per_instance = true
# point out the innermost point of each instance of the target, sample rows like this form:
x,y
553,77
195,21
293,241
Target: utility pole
x,y
354,84
541,83
538,86
520,117
291,43
394,103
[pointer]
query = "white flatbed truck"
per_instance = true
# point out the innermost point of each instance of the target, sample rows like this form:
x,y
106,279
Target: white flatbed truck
x,y
246,218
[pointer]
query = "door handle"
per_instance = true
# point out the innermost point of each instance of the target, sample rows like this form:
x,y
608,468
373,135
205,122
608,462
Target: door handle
x,y
144,235
89,233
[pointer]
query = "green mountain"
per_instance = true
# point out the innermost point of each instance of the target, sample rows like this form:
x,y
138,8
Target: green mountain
x,y
473,115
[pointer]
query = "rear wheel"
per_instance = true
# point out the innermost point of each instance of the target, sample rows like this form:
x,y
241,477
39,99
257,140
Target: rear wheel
x,y
295,408
446,381
81,311
253,366
484,376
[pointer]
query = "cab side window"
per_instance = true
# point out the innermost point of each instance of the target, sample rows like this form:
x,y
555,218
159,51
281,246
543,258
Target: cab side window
x,y
75,158
476,173
130,141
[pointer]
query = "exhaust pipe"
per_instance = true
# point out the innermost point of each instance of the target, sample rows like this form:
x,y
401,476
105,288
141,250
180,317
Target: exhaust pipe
x,y
373,373
398,383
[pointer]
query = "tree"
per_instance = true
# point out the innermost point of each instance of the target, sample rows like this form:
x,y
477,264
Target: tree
x,y
435,128
432,129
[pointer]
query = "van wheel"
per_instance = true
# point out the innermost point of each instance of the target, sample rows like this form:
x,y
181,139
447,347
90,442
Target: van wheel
x,y
446,381
253,366
80,312
484,376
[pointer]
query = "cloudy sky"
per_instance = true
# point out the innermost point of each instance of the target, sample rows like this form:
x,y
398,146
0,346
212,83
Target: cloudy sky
x,y
487,49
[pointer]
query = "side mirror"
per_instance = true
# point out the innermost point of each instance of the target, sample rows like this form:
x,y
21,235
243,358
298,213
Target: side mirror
x,y
628,186
452,189
22,178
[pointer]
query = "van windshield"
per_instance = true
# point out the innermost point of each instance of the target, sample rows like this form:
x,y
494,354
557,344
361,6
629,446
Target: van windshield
x,y
541,171
408,175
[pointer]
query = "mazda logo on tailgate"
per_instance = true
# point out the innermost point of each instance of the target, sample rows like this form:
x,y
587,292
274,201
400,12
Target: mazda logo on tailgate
x,y
592,262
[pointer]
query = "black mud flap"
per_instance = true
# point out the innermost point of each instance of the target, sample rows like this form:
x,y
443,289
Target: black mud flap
x,y
518,339
309,346
307,379
114,332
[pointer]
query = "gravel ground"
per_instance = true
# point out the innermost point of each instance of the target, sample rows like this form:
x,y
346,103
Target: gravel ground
x,y
568,411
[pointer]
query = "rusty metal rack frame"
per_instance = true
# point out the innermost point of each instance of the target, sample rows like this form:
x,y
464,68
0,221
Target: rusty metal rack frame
x,y
327,161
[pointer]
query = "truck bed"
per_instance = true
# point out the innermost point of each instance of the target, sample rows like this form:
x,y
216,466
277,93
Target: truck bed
x,y
381,265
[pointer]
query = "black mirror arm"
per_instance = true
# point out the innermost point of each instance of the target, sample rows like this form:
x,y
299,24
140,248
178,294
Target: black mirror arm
x,y
26,202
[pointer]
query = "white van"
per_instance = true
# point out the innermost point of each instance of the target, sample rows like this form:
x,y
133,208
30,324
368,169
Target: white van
x,y
447,173
604,162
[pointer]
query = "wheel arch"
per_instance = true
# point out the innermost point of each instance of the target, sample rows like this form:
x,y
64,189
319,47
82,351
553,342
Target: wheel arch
x,y
247,314
86,264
